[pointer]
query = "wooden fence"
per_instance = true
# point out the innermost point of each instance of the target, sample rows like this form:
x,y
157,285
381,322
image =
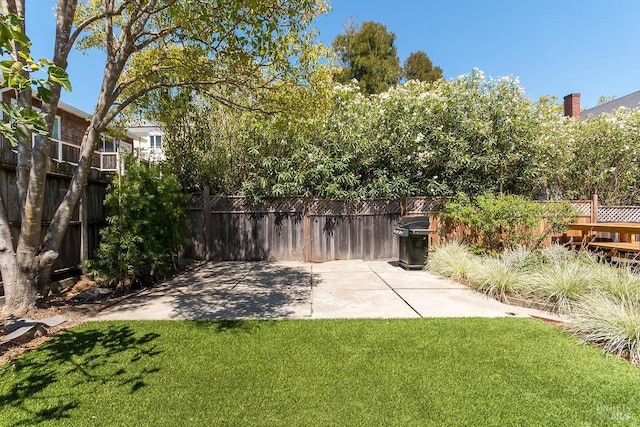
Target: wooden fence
x,y
82,237
307,229
297,229
234,228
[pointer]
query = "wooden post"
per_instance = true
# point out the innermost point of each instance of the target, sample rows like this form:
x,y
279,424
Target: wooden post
x,y
306,224
206,220
84,227
594,208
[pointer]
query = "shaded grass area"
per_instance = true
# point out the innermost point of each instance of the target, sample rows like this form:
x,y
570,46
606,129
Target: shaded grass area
x,y
319,372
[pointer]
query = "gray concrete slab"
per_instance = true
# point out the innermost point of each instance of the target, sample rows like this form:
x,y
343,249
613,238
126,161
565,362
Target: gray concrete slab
x,y
276,278
337,289
240,302
359,303
352,280
343,266
454,303
215,274
401,279
383,265
296,265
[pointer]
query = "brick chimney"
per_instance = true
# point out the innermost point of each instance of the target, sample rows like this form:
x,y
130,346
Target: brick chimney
x,y
572,105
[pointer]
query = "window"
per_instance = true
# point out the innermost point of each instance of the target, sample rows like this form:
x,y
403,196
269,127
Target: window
x,y
109,145
155,141
55,133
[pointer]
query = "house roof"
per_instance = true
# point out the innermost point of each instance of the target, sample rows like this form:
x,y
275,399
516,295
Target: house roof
x,y
631,101
61,105
71,110
141,122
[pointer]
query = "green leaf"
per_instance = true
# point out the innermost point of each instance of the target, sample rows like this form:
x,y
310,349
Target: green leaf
x,y
59,76
43,94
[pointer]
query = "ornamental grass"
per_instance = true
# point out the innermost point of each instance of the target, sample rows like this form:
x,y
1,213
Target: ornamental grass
x,y
496,278
612,322
453,260
563,283
602,301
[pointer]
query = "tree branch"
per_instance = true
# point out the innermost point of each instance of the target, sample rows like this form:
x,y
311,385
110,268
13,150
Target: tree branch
x,y
87,22
60,222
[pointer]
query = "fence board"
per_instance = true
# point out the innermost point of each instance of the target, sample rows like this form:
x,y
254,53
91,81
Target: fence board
x,y
57,183
249,236
12,196
308,229
296,228
619,214
197,248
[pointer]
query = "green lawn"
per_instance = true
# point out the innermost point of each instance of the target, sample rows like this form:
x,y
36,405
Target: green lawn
x,y
476,372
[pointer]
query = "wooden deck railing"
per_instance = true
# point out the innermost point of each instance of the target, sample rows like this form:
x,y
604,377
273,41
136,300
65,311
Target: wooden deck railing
x,y
62,151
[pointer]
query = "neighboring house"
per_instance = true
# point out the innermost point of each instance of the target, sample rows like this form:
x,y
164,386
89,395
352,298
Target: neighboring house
x,y
147,139
572,105
68,131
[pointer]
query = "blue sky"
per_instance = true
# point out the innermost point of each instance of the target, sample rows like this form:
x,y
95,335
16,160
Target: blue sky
x,y
555,47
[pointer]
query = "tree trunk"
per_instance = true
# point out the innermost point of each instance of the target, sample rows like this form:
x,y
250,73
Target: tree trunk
x,y
27,272
60,223
25,295
7,255
26,267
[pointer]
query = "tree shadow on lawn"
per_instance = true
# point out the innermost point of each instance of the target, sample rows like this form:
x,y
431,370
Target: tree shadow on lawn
x,y
237,326
75,362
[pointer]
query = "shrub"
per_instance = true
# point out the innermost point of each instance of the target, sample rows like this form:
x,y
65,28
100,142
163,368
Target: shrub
x,y
618,283
495,223
146,224
495,278
453,260
613,323
563,283
516,256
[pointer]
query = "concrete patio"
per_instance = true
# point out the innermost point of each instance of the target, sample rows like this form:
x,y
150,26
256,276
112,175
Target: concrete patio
x,y
337,289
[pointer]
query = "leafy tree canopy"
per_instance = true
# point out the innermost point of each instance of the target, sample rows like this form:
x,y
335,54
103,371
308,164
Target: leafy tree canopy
x,y
233,52
19,73
471,135
369,55
418,66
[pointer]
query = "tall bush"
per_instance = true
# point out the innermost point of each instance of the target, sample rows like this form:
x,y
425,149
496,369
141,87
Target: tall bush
x,y
605,158
472,134
146,223
501,222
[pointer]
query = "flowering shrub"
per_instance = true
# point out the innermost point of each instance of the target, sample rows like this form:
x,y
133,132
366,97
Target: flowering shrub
x,y
472,134
605,158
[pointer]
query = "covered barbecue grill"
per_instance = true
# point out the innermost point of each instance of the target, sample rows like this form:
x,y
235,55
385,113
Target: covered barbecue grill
x,y
413,233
